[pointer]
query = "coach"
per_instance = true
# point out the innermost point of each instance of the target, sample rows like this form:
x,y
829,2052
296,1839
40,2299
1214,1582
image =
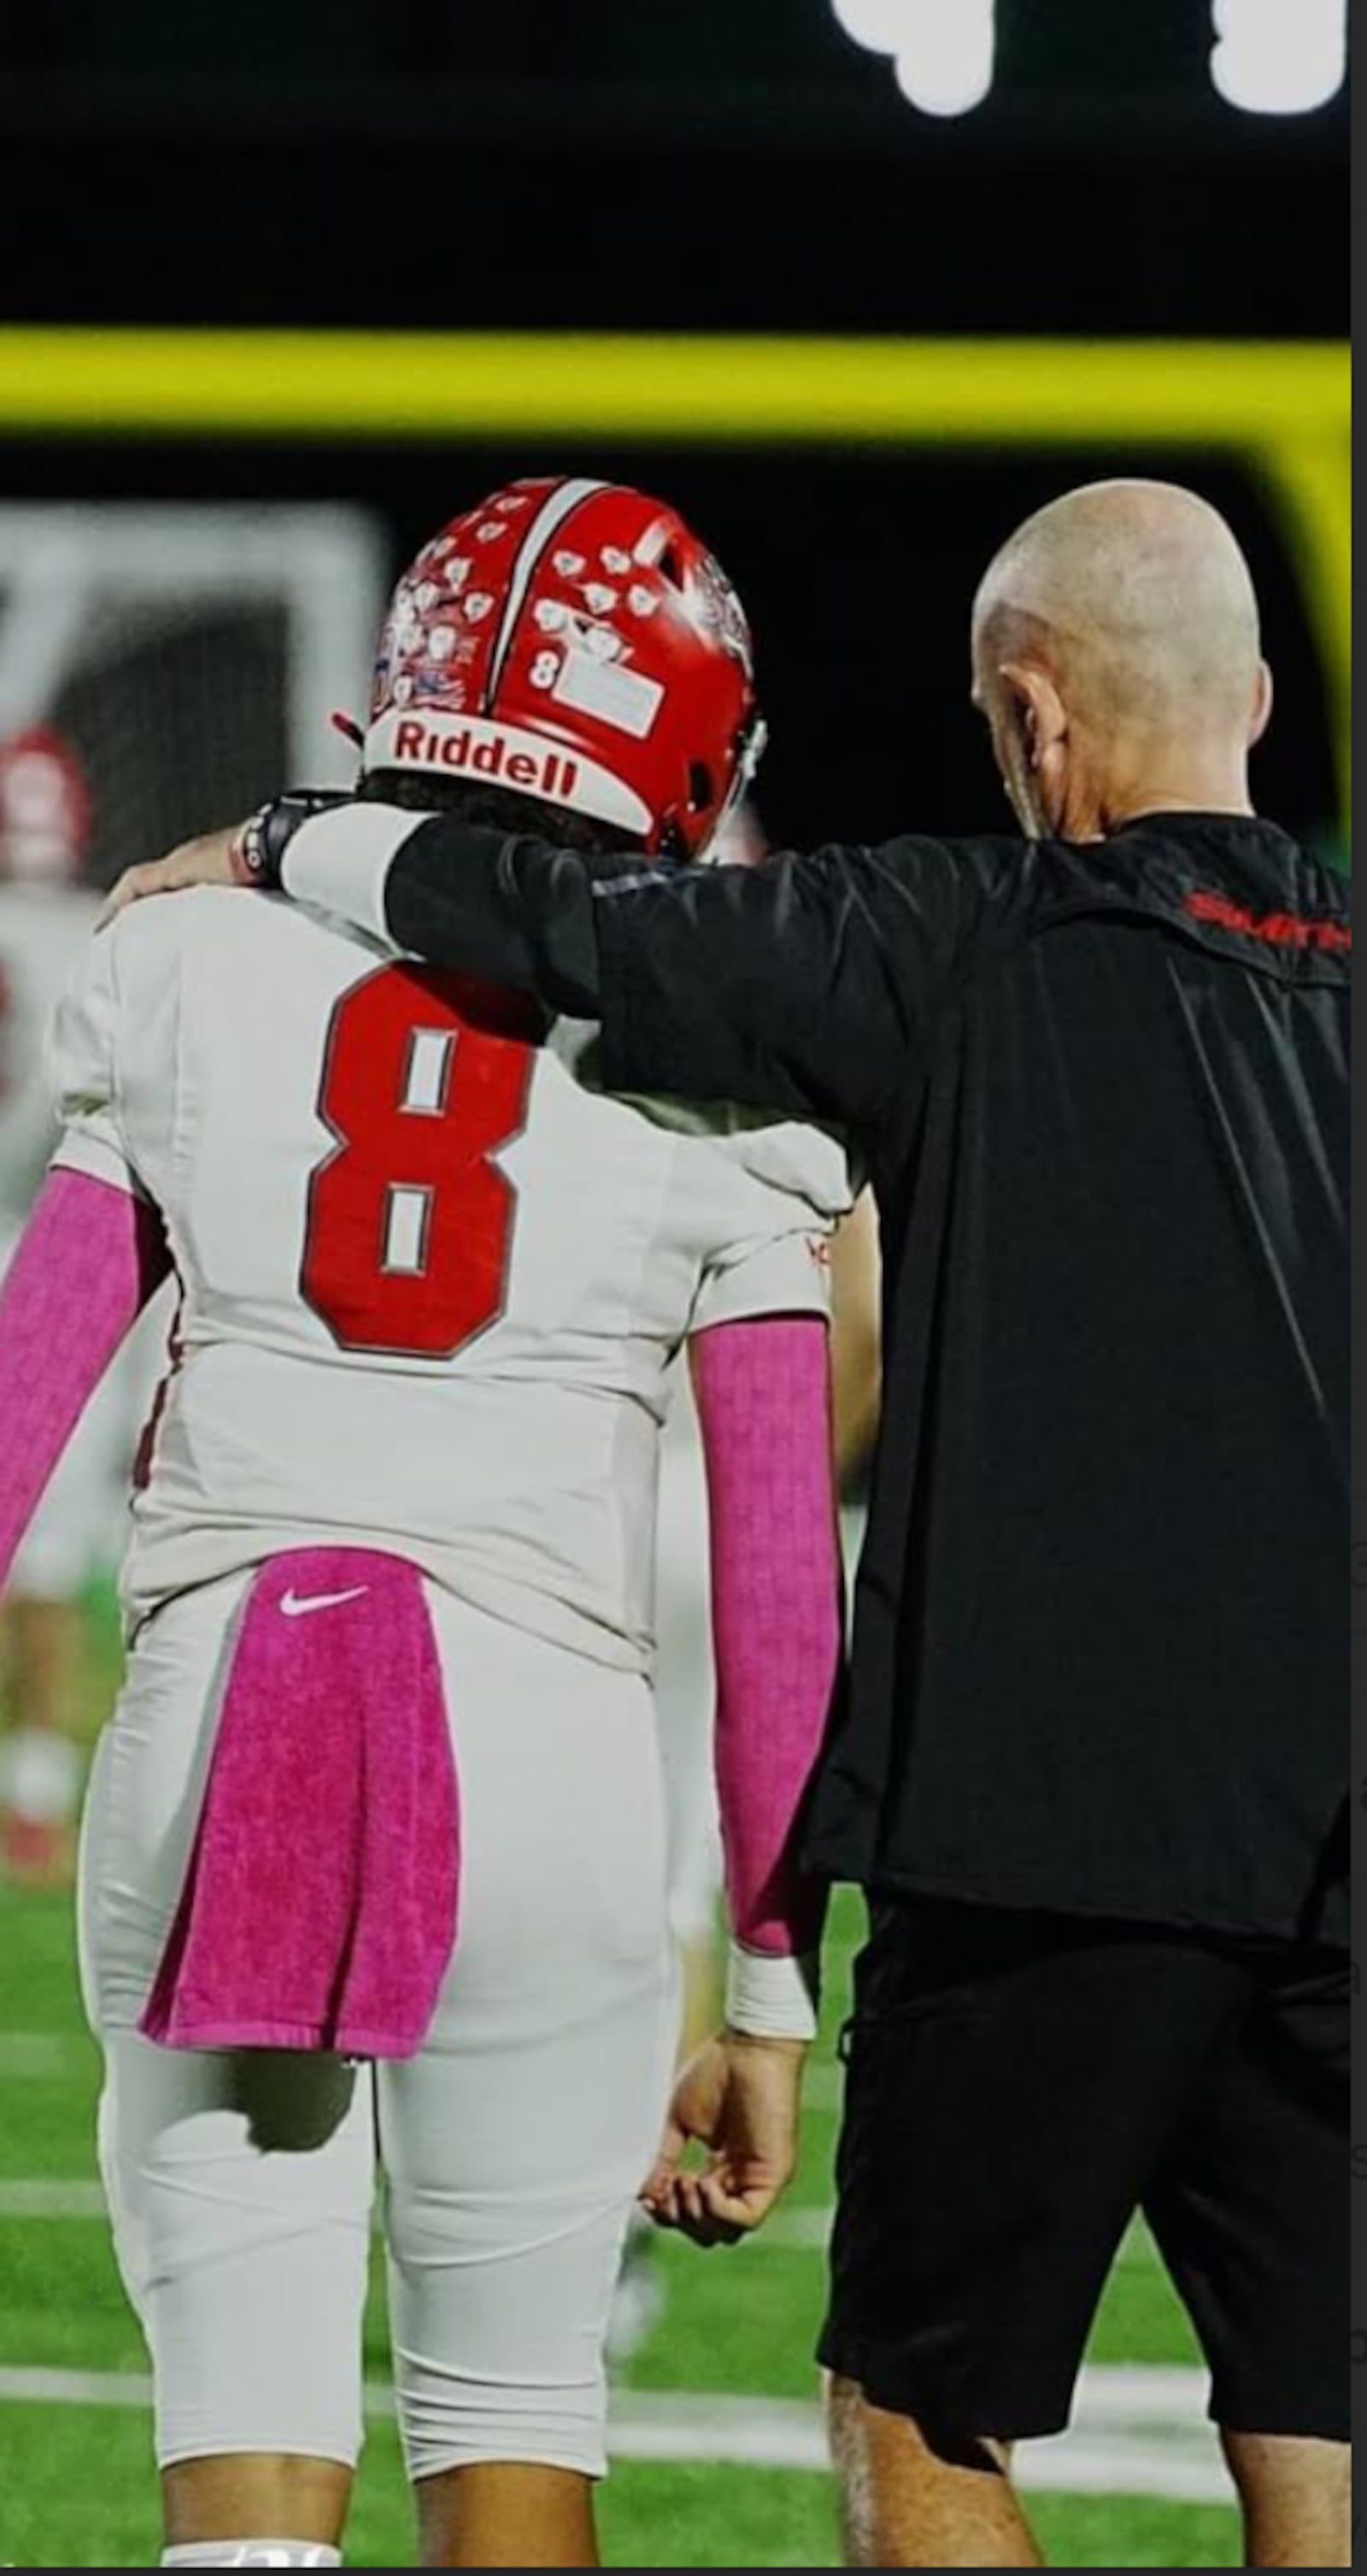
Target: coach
x,y
1093,1769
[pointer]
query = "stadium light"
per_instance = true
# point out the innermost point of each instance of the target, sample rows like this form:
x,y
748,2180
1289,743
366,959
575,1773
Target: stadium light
x,y
1280,57
945,51
876,24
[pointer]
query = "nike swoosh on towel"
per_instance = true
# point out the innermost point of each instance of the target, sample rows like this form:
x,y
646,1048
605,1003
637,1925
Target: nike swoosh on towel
x,y
296,1606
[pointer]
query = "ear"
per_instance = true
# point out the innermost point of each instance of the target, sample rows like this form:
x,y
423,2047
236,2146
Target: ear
x,y
1044,718
1263,703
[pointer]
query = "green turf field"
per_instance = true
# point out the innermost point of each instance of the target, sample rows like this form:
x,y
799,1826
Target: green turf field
x,y
76,2486
724,2389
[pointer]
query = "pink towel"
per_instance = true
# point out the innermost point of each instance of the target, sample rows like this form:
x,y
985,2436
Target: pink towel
x,y
320,1907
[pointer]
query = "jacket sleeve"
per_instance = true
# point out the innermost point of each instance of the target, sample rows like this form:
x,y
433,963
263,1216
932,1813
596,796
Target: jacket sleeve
x,y
808,985
805,985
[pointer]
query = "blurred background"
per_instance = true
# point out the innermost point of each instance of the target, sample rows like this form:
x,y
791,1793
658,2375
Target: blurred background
x,y
856,283
1170,171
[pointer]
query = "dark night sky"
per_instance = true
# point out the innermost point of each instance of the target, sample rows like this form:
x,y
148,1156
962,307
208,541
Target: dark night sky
x,y
384,174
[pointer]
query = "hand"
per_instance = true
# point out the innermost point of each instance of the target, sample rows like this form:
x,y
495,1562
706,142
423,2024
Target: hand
x,y
216,860
742,2099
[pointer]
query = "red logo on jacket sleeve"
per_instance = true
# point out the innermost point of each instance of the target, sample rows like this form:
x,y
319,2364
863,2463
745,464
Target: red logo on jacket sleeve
x,y
1275,929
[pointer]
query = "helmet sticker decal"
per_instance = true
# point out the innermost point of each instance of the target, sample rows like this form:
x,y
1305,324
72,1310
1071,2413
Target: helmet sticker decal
x,y
616,696
573,640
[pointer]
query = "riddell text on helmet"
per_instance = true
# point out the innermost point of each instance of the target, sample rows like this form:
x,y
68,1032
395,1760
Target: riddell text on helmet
x,y
549,773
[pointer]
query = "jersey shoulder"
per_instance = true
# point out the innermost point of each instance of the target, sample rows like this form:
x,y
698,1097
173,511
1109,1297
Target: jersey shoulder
x,y
155,935
810,1164
718,1141
228,932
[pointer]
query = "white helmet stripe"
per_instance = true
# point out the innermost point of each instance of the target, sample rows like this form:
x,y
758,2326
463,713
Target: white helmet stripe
x,y
563,501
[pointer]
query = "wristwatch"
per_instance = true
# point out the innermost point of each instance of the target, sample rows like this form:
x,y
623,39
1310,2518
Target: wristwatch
x,y
266,838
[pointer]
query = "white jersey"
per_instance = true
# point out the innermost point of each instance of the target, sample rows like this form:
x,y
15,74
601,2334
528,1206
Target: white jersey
x,y
432,1279
43,934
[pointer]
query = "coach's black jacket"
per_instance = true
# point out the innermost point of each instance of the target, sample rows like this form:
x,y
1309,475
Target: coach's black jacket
x,y
1102,1092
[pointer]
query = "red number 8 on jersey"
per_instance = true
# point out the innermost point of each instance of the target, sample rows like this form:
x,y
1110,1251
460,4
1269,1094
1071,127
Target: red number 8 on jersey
x,y
410,1220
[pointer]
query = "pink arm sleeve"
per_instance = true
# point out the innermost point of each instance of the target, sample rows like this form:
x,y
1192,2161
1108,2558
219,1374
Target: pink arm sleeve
x,y
763,1390
90,1258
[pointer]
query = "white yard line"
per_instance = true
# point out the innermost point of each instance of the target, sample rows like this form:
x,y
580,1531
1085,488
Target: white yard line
x,y
789,2230
1118,2465
41,2056
824,2086
30,2200
795,2231
1139,2432
45,2057
1142,2394
75,2388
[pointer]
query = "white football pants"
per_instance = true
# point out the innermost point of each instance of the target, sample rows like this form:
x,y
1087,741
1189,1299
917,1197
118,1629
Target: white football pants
x,y
242,2186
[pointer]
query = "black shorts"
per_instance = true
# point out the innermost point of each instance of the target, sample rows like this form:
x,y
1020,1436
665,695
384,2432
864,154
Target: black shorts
x,y
1020,2085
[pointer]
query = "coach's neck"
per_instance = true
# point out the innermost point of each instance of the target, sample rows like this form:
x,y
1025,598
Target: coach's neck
x,y
1133,780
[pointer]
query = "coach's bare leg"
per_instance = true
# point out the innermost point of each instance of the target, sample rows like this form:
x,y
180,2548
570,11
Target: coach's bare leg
x,y
1297,2498
499,2514
256,2495
907,2505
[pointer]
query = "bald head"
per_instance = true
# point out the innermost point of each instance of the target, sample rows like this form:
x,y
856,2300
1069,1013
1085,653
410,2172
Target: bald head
x,y
1132,603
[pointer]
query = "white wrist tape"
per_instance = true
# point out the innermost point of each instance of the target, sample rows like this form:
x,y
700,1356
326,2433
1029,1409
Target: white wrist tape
x,y
770,1997
340,863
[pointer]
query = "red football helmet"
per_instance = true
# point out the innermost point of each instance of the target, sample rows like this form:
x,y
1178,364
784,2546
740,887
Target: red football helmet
x,y
46,815
575,642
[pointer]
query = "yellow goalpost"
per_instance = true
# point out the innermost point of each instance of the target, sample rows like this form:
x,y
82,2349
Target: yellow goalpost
x,y
1284,408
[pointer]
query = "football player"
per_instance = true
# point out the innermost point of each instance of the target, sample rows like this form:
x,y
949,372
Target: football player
x,y
433,1282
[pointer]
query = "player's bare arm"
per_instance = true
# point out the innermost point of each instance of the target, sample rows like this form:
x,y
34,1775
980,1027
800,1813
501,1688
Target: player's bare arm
x,y
739,2099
